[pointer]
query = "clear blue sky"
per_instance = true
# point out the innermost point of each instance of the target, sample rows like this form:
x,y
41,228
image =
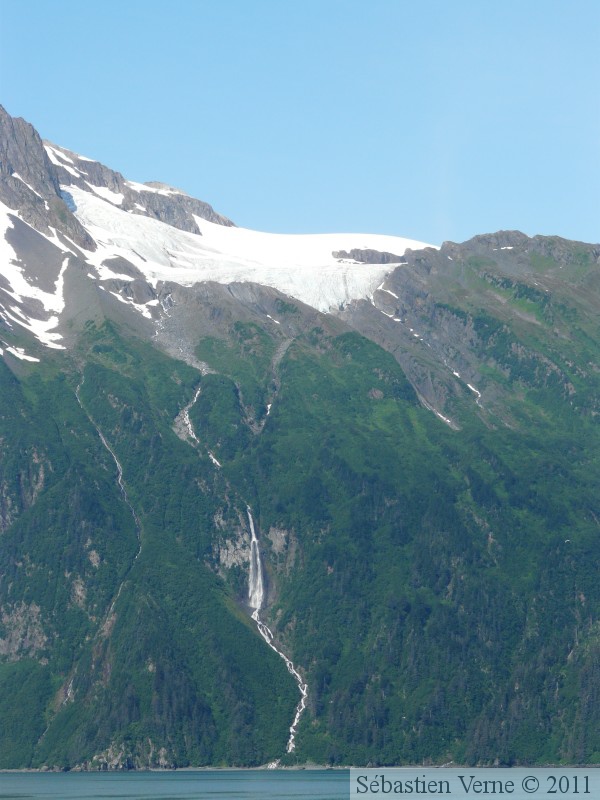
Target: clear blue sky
x,y
433,119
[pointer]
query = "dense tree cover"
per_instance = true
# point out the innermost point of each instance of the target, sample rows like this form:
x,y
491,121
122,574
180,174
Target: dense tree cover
x,y
438,588
176,664
442,601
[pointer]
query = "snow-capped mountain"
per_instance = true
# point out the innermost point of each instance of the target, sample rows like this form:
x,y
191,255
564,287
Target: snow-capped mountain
x,y
71,228
317,499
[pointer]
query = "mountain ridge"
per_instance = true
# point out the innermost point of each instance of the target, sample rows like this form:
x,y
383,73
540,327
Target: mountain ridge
x,y
417,449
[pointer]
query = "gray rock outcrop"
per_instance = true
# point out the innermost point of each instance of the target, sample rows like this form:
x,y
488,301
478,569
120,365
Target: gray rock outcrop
x,y
30,184
368,256
152,199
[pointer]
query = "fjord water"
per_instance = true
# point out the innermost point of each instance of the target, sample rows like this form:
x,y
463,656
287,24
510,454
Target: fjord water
x,y
182,785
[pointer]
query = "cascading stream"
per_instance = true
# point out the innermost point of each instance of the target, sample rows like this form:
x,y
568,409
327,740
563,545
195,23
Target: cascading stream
x,y
69,692
255,601
256,591
183,419
138,527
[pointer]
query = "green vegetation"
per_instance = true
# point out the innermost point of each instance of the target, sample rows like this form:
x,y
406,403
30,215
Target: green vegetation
x,y
436,595
438,588
176,665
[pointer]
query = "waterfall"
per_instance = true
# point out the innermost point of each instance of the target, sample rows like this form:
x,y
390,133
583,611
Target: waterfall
x,y
185,430
256,591
256,588
185,415
256,596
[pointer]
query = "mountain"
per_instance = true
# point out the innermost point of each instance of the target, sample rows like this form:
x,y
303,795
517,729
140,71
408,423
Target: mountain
x,y
344,484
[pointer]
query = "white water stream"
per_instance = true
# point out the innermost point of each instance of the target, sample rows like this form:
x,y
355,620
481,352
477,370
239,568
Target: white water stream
x,y
184,416
255,600
138,527
103,629
256,592
256,589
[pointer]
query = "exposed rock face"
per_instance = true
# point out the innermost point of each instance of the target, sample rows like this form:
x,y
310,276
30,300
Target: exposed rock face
x,y
284,548
418,315
233,552
118,757
514,248
32,173
29,182
210,309
428,577
23,632
368,256
152,199
177,209
20,486
78,592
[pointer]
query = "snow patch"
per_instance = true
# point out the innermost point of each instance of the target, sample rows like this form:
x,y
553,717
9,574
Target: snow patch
x,y
116,295
58,158
53,153
74,172
442,417
18,352
477,393
116,198
299,265
31,189
21,289
142,187
140,307
106,273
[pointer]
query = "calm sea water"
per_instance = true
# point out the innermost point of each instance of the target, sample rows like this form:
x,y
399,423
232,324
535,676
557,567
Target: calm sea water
x,y
288,785
204,785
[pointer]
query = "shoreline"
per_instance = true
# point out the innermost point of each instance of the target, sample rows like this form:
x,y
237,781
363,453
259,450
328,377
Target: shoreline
x,y
294,768
262,768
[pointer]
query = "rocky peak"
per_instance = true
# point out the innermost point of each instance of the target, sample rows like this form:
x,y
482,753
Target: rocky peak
x,y
367,256
29,182
21,152
152,199
165,187
513,249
